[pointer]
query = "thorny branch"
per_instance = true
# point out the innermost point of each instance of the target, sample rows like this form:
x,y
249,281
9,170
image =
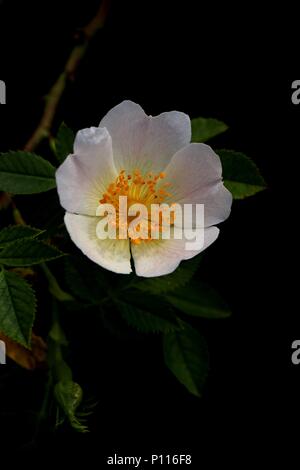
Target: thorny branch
x,y
55,94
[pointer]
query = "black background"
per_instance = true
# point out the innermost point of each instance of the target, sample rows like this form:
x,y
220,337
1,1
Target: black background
x,y
208,61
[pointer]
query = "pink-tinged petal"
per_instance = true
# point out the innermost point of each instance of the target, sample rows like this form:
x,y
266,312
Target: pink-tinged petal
x,y
160,257
83,177
195,174
113,255
145,142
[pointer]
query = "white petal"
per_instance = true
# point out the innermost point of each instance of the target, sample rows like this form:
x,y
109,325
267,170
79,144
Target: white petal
x,y
145,142
110,254
160,257
83,178
195,173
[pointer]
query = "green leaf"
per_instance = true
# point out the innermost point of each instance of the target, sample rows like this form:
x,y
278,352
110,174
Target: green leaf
x,y
204,129
17,232
64,142
241,175
25,173
186,355
199,300
162,284
28,252
17,308
146,313
69,396
85,280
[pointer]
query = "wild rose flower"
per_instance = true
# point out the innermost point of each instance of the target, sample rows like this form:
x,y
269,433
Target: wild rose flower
x,y
148,160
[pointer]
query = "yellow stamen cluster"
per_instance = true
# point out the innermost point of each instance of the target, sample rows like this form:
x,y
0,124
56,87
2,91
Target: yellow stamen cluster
x,y
144,189
138,188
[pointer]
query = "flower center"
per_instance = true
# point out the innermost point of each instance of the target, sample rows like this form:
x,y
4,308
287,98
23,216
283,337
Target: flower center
x,y
145,189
